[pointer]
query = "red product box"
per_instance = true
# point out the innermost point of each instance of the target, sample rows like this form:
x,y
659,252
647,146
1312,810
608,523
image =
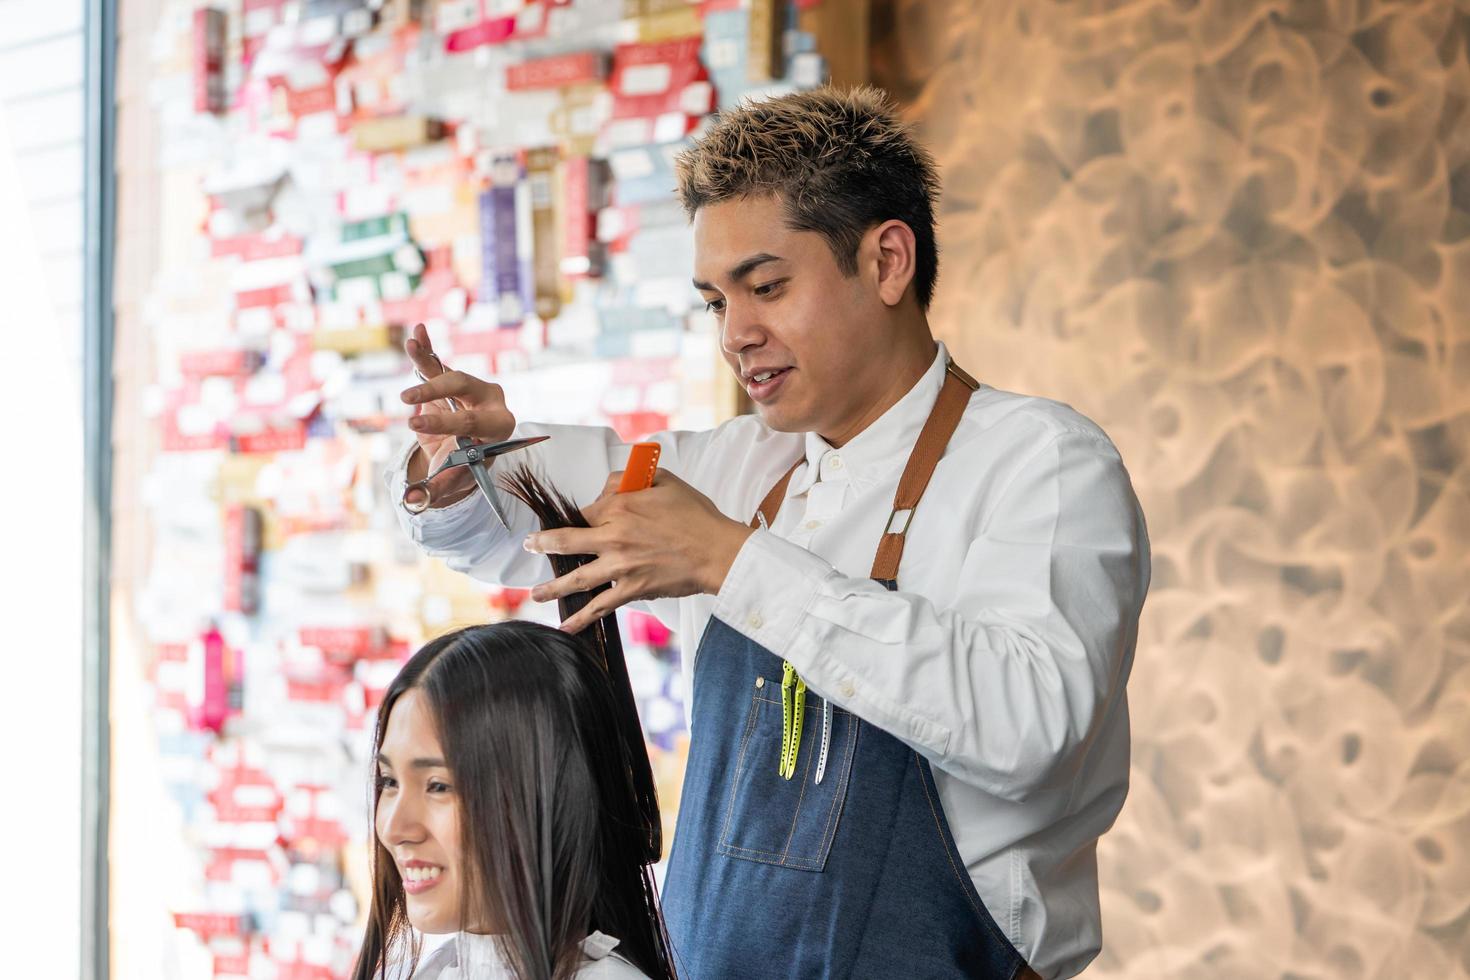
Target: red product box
x,y
174,441
492,30
326,689
579,68
583,186
631,426
209,924
266,296
242,559
492,342
508,601
229,362
209,60
171,652
260,801
646,630
272,440
261,245
338,642
649,79
322,98
222,860
232,964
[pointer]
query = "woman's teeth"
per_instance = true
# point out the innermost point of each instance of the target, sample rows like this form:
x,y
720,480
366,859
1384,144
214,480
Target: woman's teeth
x,y
421,874
764,376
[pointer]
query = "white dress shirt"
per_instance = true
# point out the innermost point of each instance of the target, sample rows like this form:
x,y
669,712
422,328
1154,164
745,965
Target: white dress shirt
x,y
1002,657
467,956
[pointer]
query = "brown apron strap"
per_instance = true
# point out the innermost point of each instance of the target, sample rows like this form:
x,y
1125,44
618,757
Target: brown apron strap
x,y
944,417
773,500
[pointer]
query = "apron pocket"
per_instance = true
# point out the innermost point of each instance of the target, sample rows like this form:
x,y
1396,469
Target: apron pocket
x,y
787,822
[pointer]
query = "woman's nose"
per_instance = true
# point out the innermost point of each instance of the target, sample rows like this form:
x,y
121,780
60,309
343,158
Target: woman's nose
x,y
399,820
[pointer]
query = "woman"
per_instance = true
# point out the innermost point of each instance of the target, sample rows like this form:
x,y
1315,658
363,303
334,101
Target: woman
x,y
506,813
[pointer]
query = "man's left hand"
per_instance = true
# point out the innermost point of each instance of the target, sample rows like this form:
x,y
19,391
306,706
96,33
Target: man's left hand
x,y
667,541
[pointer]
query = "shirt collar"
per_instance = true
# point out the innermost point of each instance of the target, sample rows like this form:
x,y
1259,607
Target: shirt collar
x,y
478,955
869,456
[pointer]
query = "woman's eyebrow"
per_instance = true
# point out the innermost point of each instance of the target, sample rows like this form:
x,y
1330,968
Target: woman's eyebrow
x,y
421,763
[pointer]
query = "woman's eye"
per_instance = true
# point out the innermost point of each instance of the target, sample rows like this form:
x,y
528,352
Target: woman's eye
x,y
438,787
386,782
715,306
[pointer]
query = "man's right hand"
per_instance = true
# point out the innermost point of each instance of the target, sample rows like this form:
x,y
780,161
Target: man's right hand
x,y
482,416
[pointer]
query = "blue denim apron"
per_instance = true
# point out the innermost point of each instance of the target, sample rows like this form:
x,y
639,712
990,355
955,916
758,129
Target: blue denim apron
x,y
854,876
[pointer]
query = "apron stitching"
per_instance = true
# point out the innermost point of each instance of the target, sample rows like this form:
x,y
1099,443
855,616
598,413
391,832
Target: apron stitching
x,y
924,784
740,762
752,720
982,915
839,795
863,943
797,812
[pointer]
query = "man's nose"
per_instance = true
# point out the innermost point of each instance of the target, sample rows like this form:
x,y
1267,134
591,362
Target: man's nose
x,y
741,328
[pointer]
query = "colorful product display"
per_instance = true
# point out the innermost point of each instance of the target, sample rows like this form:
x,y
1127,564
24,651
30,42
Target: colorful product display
x,y
335,171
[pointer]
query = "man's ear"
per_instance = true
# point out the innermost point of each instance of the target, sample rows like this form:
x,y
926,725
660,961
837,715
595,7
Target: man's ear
x,y
893,247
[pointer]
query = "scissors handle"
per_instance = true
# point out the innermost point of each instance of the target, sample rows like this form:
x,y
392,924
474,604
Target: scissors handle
x,y
416,506
469,453
464,456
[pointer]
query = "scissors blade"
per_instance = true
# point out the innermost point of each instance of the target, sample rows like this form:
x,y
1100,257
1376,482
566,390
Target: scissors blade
x,y
501,448
482,475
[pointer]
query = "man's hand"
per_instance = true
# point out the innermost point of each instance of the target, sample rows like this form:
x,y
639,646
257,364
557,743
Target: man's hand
x,y
667,541
482,415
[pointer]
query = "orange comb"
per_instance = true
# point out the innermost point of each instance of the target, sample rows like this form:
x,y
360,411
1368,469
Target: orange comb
x,y
642,465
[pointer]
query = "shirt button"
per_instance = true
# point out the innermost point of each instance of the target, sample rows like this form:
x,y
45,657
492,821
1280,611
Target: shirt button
x,y
812,525
835,462
846,689
754,621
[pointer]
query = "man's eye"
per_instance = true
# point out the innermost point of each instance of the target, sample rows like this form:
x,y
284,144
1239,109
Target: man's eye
x,y
767,288
715,306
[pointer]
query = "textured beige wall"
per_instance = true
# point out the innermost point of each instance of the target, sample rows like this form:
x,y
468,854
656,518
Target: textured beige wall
x,y
1238,235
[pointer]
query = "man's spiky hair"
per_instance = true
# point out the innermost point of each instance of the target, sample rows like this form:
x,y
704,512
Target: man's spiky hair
x,y
839,161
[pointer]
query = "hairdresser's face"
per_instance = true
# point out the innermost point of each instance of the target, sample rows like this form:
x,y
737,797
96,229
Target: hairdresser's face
x,y
785,306
418,816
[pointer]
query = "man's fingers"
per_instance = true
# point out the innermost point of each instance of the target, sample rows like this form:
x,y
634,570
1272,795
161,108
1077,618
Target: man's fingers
x,y
449,384
604,603
565,541
421,351
610,487
455,424
580,579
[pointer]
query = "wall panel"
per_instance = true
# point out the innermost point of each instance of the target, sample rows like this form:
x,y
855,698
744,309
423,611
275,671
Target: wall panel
x,y
1238,235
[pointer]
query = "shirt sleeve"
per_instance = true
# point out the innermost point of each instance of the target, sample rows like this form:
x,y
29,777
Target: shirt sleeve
x,y
470,537
1003,688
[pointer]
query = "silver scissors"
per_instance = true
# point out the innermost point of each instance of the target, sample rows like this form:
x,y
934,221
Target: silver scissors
x,y
469,453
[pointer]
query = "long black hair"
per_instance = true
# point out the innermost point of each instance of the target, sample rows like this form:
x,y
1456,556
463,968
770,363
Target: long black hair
x,y
554,509
554,841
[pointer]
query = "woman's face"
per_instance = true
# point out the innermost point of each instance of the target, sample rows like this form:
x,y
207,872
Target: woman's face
x,y
418,816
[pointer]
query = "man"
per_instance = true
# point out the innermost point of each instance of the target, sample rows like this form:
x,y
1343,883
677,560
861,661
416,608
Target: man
x,y
908,721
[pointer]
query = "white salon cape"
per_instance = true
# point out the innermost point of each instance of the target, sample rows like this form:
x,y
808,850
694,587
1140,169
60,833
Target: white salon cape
x,y
471,957
1002,657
